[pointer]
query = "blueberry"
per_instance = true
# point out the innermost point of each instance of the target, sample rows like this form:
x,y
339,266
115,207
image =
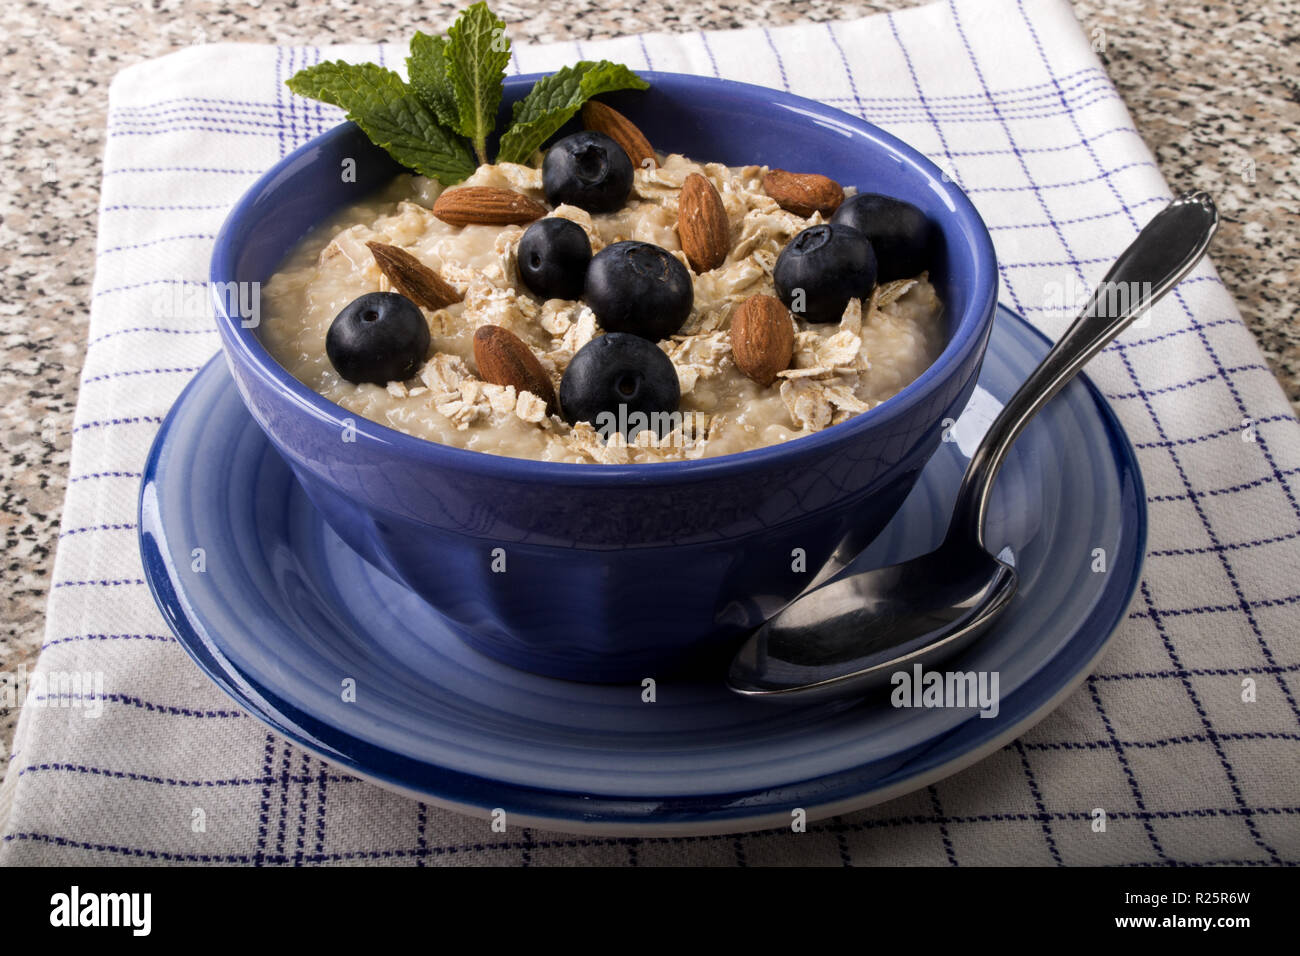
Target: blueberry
x,y
380,337
553,258
640,288
620,382
901,235
821,269
588,170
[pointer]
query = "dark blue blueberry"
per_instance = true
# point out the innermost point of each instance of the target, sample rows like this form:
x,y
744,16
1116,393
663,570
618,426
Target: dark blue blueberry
x,y
588,170
901,235
553,257
821,269
619,382
640,288
380,337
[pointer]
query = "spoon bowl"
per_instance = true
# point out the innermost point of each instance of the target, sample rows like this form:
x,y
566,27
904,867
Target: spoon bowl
x,y
864,627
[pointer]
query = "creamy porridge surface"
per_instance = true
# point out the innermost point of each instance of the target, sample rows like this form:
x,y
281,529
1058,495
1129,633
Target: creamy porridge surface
x,y
839,370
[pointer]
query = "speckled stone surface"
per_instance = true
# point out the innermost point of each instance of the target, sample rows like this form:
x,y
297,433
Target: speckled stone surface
x,y
1212,87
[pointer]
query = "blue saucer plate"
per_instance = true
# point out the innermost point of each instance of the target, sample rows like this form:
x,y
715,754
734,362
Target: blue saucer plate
x,y
284,613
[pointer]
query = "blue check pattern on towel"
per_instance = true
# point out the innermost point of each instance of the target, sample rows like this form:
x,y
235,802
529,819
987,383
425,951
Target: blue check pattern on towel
x,y
1008,97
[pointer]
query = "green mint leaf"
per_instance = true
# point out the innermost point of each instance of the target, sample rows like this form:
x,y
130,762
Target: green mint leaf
x,y
391,114
477,52
554,99
427,68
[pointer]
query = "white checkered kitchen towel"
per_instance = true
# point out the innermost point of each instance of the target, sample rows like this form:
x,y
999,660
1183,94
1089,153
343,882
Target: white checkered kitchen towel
x,y
1009,97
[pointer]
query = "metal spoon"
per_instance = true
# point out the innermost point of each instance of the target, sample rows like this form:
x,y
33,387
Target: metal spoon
x,y
850,634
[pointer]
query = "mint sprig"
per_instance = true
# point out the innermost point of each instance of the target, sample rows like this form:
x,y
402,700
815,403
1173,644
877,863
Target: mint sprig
x,y
439,122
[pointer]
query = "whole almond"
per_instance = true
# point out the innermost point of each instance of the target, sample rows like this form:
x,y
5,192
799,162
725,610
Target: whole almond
x,y
504,359
702,224
412,278
605,119
486,206
803,193
762,338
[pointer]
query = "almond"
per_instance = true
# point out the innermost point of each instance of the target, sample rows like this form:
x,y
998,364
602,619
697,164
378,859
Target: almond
x,y
762,338
504,359
702,224
412,278
605,119
803,193
486,206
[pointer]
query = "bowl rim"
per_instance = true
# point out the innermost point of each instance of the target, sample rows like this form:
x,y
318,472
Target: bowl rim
x,y
245,349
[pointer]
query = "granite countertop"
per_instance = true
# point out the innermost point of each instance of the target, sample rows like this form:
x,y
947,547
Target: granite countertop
x,y
1212,88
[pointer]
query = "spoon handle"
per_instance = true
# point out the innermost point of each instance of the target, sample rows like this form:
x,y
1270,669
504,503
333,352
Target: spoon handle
x,y
1163,252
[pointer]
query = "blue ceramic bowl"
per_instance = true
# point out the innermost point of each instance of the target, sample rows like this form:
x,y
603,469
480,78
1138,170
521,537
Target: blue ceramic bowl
x,y
615,573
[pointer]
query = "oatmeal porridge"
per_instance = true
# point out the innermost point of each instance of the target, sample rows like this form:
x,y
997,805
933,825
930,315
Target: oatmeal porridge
x,y
821,372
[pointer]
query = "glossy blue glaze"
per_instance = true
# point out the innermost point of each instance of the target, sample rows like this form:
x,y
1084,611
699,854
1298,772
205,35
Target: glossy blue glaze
x,y
284,611
615,573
